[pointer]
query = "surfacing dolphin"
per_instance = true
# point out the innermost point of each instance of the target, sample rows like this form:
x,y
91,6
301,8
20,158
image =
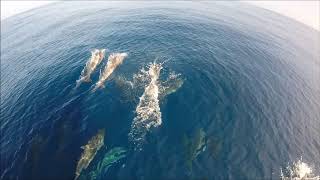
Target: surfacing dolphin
x,y
95,59
172,84
114,60
148,110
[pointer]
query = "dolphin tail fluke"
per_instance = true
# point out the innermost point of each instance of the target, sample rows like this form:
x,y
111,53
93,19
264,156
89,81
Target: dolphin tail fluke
x,y
94,89
76,177
78,82
83,79
87,79
98,86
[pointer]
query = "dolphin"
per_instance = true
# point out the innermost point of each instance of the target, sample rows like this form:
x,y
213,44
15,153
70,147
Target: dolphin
x,y
194,146
114,60
173,86
148,110
95,59
89,151
111,157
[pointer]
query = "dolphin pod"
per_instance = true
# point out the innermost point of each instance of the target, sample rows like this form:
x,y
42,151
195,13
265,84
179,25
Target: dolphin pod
x,y
114,60
148,115
148,112
95,59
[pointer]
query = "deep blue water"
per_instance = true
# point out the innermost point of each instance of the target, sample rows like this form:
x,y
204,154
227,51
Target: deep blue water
x,y
251,83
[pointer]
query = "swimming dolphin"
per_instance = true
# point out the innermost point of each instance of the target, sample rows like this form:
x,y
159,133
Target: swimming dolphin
x,y
148,110
114,60
110,158
95,59
172,86
89,151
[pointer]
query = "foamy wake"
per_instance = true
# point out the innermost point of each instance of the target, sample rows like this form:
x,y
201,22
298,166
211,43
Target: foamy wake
x,y
95,59
114,60
298,171
148,110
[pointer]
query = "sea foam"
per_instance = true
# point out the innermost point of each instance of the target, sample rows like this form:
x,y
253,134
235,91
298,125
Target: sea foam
x,y
148,112
298,171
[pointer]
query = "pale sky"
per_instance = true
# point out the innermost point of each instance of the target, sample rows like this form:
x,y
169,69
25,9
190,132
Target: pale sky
x,y
306,12
10,8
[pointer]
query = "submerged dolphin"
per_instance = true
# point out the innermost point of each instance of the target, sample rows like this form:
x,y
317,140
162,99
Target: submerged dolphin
x,y
89,151
111,157
114,60
194,146
91,65
172,84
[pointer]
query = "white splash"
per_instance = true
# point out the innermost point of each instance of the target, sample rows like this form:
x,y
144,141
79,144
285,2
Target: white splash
x,y
298,171
114,60
95,59
148,109
131,90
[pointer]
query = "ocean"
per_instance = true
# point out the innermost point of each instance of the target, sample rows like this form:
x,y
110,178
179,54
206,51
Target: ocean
x,y
247,104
